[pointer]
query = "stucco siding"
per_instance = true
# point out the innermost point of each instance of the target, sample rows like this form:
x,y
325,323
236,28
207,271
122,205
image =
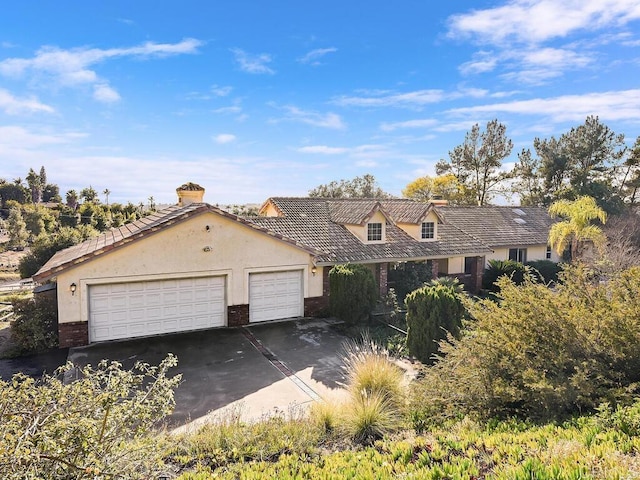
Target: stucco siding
x,y
415,229
360,231
205,245
535,252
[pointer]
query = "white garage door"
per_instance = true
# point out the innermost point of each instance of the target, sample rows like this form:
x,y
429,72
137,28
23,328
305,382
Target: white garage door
x,y
137,309
275,295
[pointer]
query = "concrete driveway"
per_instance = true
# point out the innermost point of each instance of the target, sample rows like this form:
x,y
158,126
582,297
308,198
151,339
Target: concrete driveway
x,y
258,368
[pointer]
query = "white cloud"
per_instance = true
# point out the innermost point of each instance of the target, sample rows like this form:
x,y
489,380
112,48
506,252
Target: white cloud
x,y
420,123
534,21
105,94
256,64
327,120
521,31
72,67
609,106
230,109
312,57
413,99
223,138
14,139
12,105
482,62
323,149
219,91
362,152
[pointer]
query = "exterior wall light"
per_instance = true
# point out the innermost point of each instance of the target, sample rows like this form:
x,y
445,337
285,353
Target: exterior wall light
x,y
314,270
73,288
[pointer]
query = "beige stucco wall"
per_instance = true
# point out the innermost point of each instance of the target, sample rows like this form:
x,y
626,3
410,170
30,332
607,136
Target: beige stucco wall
x,y
455,265
234,251
270,210
415,229
535,252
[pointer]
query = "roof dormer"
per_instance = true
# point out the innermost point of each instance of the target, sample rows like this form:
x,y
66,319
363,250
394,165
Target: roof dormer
x,y
423,228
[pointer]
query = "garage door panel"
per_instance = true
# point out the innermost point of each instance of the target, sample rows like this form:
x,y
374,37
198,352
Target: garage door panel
x,y
128,310
275,295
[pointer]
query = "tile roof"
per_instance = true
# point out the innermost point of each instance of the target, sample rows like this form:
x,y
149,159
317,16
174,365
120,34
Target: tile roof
x,y
317,225
317,222
500,226
118,237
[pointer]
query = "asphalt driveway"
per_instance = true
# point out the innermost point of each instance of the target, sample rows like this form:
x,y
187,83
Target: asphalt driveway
x,y
258,368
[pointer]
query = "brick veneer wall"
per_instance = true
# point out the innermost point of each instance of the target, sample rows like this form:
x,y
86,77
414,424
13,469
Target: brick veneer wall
x,y
237,315
74,334
315,306
434,269
382,269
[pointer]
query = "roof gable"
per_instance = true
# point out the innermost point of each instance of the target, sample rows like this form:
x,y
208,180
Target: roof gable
x,y
153,223
356,212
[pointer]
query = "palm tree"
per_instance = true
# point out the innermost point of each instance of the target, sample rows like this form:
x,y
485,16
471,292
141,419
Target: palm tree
x,y
576,226
106,194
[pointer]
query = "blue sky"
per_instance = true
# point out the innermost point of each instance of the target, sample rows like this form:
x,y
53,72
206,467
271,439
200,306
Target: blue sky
x,y
258,99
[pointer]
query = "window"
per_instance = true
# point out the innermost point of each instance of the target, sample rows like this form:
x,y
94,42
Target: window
x,y
469,264
428,230
548,252
518,254
374,232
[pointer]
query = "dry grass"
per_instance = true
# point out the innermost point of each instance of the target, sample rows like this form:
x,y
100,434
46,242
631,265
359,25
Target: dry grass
x,y
371,370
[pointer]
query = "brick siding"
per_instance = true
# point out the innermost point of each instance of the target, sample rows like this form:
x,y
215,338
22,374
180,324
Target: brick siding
x,y
73,334
237,315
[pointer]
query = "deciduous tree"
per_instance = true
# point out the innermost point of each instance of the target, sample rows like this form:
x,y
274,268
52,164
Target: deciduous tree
x,y
446,187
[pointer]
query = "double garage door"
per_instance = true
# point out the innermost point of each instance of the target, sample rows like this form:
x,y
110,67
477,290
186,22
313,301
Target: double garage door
x,y
137,309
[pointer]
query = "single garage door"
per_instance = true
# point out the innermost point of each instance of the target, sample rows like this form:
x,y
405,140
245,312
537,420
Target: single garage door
x,y
137,309
275,295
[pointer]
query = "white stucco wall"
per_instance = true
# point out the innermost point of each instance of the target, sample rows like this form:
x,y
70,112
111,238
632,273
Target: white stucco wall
x,y
235,251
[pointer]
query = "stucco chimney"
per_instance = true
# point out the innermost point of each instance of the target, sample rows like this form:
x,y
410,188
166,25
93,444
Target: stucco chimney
x,y
189,193
438,201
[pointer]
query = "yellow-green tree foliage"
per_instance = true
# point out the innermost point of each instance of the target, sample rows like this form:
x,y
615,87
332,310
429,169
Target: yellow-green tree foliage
x,y
433,312
446,187
353,292
97,427
542,353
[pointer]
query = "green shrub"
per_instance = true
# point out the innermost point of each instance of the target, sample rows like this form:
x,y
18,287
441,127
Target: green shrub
x,y
498,268
35,325
541,353
353,292
624,418
408,276
546,270
433,312
96,427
